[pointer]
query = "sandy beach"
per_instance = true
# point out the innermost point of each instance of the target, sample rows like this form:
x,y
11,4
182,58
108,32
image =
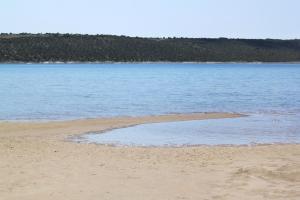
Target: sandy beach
x,y
37,161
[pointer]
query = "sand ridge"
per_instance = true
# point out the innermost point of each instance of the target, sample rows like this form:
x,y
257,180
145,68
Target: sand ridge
x,y
73,127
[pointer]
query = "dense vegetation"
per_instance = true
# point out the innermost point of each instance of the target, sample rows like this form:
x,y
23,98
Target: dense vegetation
x,y
74,47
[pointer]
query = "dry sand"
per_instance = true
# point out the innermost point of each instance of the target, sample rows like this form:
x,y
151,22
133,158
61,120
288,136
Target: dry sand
x,y
37,162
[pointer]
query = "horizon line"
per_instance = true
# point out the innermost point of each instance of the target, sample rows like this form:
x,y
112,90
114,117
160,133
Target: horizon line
x,y
150,37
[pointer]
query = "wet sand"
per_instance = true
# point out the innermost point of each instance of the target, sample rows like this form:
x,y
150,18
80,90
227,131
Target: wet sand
x,y
38,162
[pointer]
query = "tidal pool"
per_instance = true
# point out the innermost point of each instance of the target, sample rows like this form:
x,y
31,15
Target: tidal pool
x,y
254,129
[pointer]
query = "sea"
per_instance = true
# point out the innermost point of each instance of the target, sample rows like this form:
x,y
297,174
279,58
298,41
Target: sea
x,y
267,92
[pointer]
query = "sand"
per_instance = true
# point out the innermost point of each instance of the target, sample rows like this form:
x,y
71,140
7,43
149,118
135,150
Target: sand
x,y
38,162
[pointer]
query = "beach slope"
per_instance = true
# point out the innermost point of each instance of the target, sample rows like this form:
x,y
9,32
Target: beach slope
x,y
38,162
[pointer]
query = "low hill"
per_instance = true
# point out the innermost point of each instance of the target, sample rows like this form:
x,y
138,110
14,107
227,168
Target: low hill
x,y
92,48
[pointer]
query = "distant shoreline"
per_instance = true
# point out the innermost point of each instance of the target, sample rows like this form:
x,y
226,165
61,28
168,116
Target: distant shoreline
x,y
146,62
72,48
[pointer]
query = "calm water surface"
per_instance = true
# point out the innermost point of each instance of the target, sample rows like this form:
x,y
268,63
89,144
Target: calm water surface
x,y
72,91
255,129
69,91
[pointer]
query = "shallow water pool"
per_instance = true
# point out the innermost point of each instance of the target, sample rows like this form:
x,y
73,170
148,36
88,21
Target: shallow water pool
x,y
254,129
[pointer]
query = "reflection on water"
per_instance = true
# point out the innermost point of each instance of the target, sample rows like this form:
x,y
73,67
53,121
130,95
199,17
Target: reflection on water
x,y
256,129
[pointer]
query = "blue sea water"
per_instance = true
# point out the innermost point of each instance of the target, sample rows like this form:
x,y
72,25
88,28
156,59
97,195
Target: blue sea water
x,y
71,91
268,93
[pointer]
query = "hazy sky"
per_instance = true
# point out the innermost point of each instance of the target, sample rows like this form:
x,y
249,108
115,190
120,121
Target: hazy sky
x,y
155,18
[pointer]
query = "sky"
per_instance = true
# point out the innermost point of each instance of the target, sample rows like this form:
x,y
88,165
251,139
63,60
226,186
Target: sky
x,y
155,18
